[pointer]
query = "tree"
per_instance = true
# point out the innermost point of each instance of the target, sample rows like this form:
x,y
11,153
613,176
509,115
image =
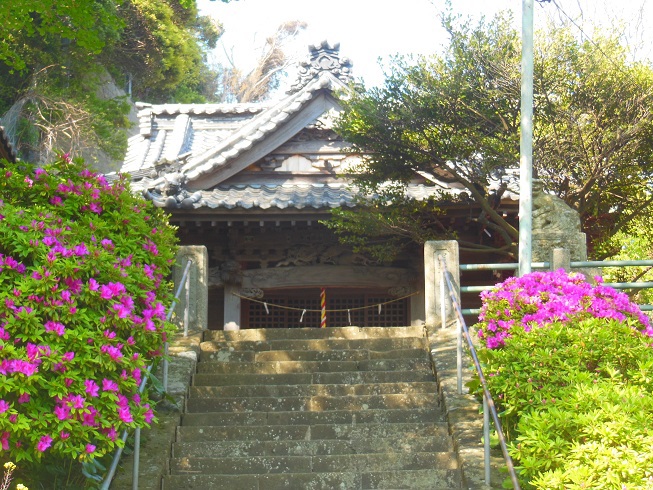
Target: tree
x,y
455,118
58,57
594,131
234,85
452,118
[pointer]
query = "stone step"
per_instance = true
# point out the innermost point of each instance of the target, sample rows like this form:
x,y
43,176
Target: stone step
x,y
341,389
391,444
313,464
311,403
208,353
417,415
432,479
307,432
381,344
197,481
308,409
283,367
263,334
347,378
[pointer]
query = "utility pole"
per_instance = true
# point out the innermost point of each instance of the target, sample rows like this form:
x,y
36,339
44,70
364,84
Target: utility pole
x,y
526,142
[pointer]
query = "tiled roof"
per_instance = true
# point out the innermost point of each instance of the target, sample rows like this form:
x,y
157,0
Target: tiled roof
x,y
285,196
257,128
281,196
193,156
205,137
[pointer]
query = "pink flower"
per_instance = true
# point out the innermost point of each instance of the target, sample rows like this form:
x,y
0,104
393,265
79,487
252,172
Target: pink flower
x,y
62,412
121,310
44,443
112,434
55,327
109,385
125,415
92,387
90,448
149,415
68,356
23,398
4,406
4,440
114,352
76,401
64,435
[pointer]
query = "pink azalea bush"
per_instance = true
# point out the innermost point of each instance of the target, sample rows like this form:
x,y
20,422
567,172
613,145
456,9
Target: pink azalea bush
x,y
541,298
82,309
568,365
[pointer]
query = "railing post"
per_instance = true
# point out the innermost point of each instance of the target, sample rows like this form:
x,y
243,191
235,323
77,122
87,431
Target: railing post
x,y
137,458
443,299
187,305
433,277
560,259
486,439
165,367
459,356
198,295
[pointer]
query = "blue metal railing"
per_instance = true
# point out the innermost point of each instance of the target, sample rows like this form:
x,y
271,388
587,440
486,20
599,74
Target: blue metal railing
x,y
489,407
137,432
580,264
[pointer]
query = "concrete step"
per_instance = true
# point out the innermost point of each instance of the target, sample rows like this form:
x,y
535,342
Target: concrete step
x,y
263,334
396,443
326,344
283,367
431,479
310,390
313,464
347,378
315,432
209,353
311,403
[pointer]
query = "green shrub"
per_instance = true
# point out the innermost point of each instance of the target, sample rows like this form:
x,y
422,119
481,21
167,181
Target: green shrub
x,y
575,397
83,264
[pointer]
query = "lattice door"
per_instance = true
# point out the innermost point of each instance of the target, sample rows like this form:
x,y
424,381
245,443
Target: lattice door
x,y
285,309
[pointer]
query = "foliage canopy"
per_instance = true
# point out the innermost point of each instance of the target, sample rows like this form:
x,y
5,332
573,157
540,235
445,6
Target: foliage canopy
x,y
454,118
57,58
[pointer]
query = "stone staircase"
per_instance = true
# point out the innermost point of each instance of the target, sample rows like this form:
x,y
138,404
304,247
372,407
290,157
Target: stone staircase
x,y
335,408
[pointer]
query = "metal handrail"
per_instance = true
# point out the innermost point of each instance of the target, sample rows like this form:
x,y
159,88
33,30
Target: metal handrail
x,y
137,432
578,264
488,402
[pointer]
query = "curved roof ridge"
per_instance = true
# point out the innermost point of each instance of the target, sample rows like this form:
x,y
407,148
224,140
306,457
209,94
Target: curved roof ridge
x,y
259,126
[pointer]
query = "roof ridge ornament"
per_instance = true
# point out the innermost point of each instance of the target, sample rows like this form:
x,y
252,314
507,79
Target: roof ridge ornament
x,y
322,57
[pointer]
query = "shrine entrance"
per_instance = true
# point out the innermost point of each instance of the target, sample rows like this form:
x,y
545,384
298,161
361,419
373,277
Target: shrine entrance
x,y
301,307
